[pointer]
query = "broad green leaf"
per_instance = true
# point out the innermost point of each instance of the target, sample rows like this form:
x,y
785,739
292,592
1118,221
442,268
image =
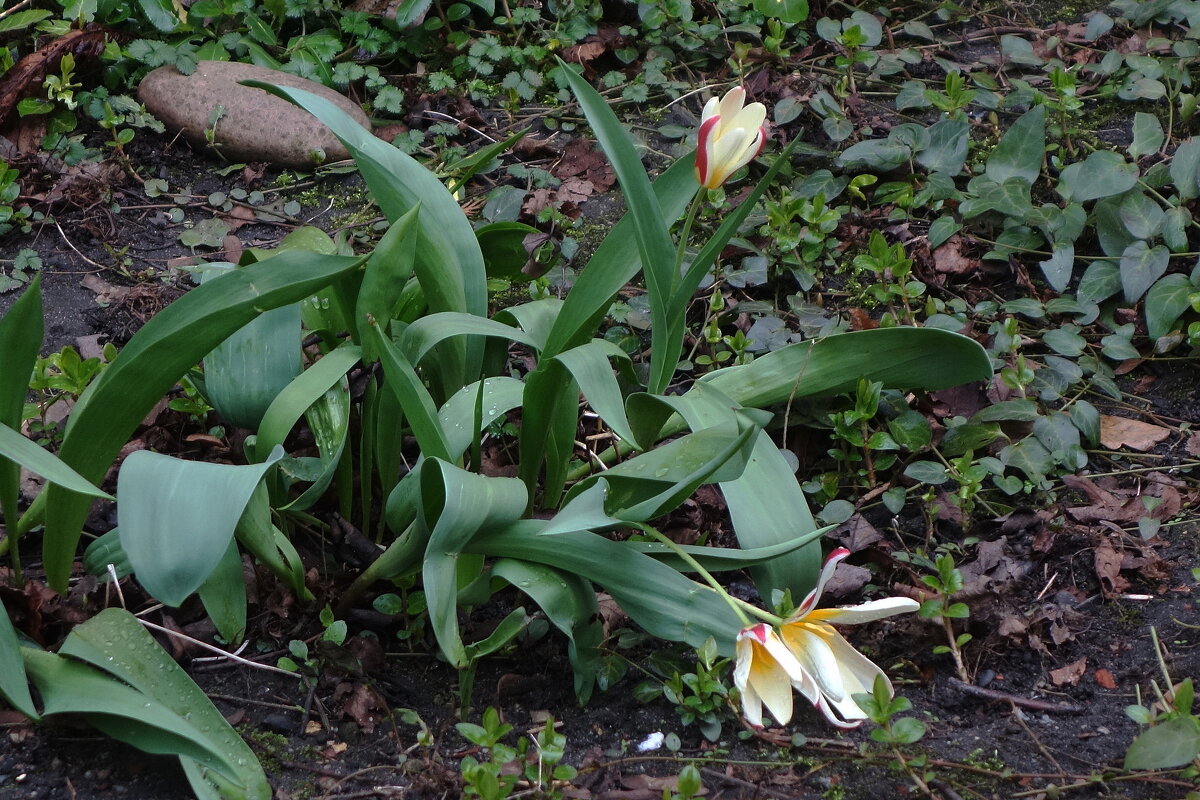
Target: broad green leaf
x,y
536,318
1110,228
650,226
1010,198
660,599
178,517
942,229
1100,281
223,594
14,687
21,330
1173,743
500,395
1142,217
1148,135
123,712
1102,174
265,542
25,453
1166,301
504,252
1185,169
419,338
168,345
1021,149
329,421
414,398
721,559
21,19
115,642
900,358
305,390
1140,267
387,270
589,366
947,149
787,11
881,154
106,551
1059,267
569,602
244,373
1087,419
456,506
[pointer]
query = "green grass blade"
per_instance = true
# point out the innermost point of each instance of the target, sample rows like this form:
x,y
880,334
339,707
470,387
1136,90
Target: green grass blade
x,y
164,349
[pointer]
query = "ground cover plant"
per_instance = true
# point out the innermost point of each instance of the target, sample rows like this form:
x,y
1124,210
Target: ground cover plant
x,y
933,306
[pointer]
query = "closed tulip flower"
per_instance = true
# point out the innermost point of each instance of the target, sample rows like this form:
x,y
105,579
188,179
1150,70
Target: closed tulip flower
x,y
731,135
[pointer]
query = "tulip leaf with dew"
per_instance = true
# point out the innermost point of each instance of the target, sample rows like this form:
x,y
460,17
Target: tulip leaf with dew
x,y
267,544
244,373
21,331
329,421
148,366
455,507
569,603
305,390
223,594
661,600
115,642
14,686
537,319
766,504
178,517
419,338
449,263
650,227
123,712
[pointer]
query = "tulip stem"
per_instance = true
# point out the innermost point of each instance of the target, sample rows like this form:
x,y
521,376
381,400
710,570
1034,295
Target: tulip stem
x,y
685,234
739,607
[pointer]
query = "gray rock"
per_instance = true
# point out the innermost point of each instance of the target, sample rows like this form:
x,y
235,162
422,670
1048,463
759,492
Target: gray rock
x,y
255,125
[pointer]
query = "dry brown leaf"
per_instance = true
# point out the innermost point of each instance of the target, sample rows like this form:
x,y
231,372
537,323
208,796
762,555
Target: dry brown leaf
x,y
1070,674
949,259
1105,679
1118,432
1107,562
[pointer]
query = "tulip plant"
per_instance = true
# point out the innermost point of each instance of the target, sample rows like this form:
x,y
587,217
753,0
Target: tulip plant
x,y
411,317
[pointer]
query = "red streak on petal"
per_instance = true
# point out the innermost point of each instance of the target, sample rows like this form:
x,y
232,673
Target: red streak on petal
x,y
702,137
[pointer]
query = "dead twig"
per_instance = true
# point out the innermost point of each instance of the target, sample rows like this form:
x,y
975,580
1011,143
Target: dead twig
x,y
1017,700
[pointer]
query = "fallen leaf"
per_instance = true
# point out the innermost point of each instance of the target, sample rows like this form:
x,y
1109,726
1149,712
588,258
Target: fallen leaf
x,y
1070,674
1107,562
1118,432
949,259
1105,679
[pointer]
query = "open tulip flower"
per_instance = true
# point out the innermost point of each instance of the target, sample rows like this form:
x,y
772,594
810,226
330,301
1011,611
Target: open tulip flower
x,y
810,655
731,134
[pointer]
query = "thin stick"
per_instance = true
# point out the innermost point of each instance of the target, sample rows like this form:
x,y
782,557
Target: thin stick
x,y
1024,702
212,648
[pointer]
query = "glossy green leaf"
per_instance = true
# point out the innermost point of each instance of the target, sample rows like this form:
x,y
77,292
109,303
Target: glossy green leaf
x,y
387,270
21,330
569,602
1140,266
1172,743
223,594
504,252
178,517
589,366
1165,303
114,641
1100,281
787,11
1102,174
14,687
1148,135
105,551
305,390
168,345
1185,169
414,398
329,421
265,542
419,338
25,453
1059,267
456,506
1021,149
947,150
244,373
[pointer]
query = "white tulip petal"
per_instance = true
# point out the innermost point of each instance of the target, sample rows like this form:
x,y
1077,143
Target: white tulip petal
x,y
750,118
814,597
857,671
817,659
731,105
844,713
865,612
710,109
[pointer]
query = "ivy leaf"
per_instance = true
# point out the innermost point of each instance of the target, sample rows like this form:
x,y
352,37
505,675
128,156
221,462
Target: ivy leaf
x,y
1148,135
1141,266
1020,151
1165,302
1059,266
1102,174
